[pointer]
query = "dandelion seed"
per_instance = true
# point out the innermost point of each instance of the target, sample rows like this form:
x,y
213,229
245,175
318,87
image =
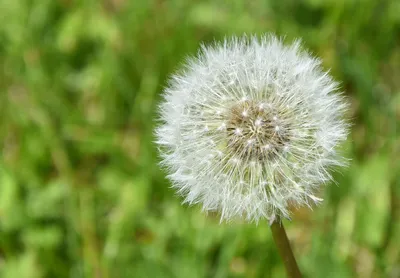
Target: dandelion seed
x,y
258,122
282,119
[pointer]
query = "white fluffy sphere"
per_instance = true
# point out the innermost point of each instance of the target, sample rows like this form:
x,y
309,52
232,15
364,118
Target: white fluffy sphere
x,y
250,127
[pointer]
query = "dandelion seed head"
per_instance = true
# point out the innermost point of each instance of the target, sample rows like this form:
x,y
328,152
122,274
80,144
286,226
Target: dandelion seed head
x,y
250,128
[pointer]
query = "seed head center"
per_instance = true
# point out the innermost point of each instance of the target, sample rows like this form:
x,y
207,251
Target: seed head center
x,y
255,131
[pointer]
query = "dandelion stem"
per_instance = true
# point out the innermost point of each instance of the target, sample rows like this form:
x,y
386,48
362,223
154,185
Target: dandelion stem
x,y
283,245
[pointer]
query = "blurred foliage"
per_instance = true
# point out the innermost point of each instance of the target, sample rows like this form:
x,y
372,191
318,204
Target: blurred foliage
x,y
81,194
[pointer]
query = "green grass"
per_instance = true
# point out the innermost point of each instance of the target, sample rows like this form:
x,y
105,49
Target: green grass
x,y
81,194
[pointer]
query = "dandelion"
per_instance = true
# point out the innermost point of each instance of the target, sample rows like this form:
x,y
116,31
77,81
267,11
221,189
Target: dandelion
x,y
249,128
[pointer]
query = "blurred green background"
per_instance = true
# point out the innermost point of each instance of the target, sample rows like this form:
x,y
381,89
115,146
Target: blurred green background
x,y
81,194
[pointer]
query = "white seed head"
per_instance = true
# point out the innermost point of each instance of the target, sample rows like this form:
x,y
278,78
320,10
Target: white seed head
x,y
269,116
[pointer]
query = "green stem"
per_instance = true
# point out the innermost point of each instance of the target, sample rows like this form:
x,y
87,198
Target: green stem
x,y
283,245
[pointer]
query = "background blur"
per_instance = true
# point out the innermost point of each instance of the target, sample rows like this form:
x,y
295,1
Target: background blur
x,y
81,194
